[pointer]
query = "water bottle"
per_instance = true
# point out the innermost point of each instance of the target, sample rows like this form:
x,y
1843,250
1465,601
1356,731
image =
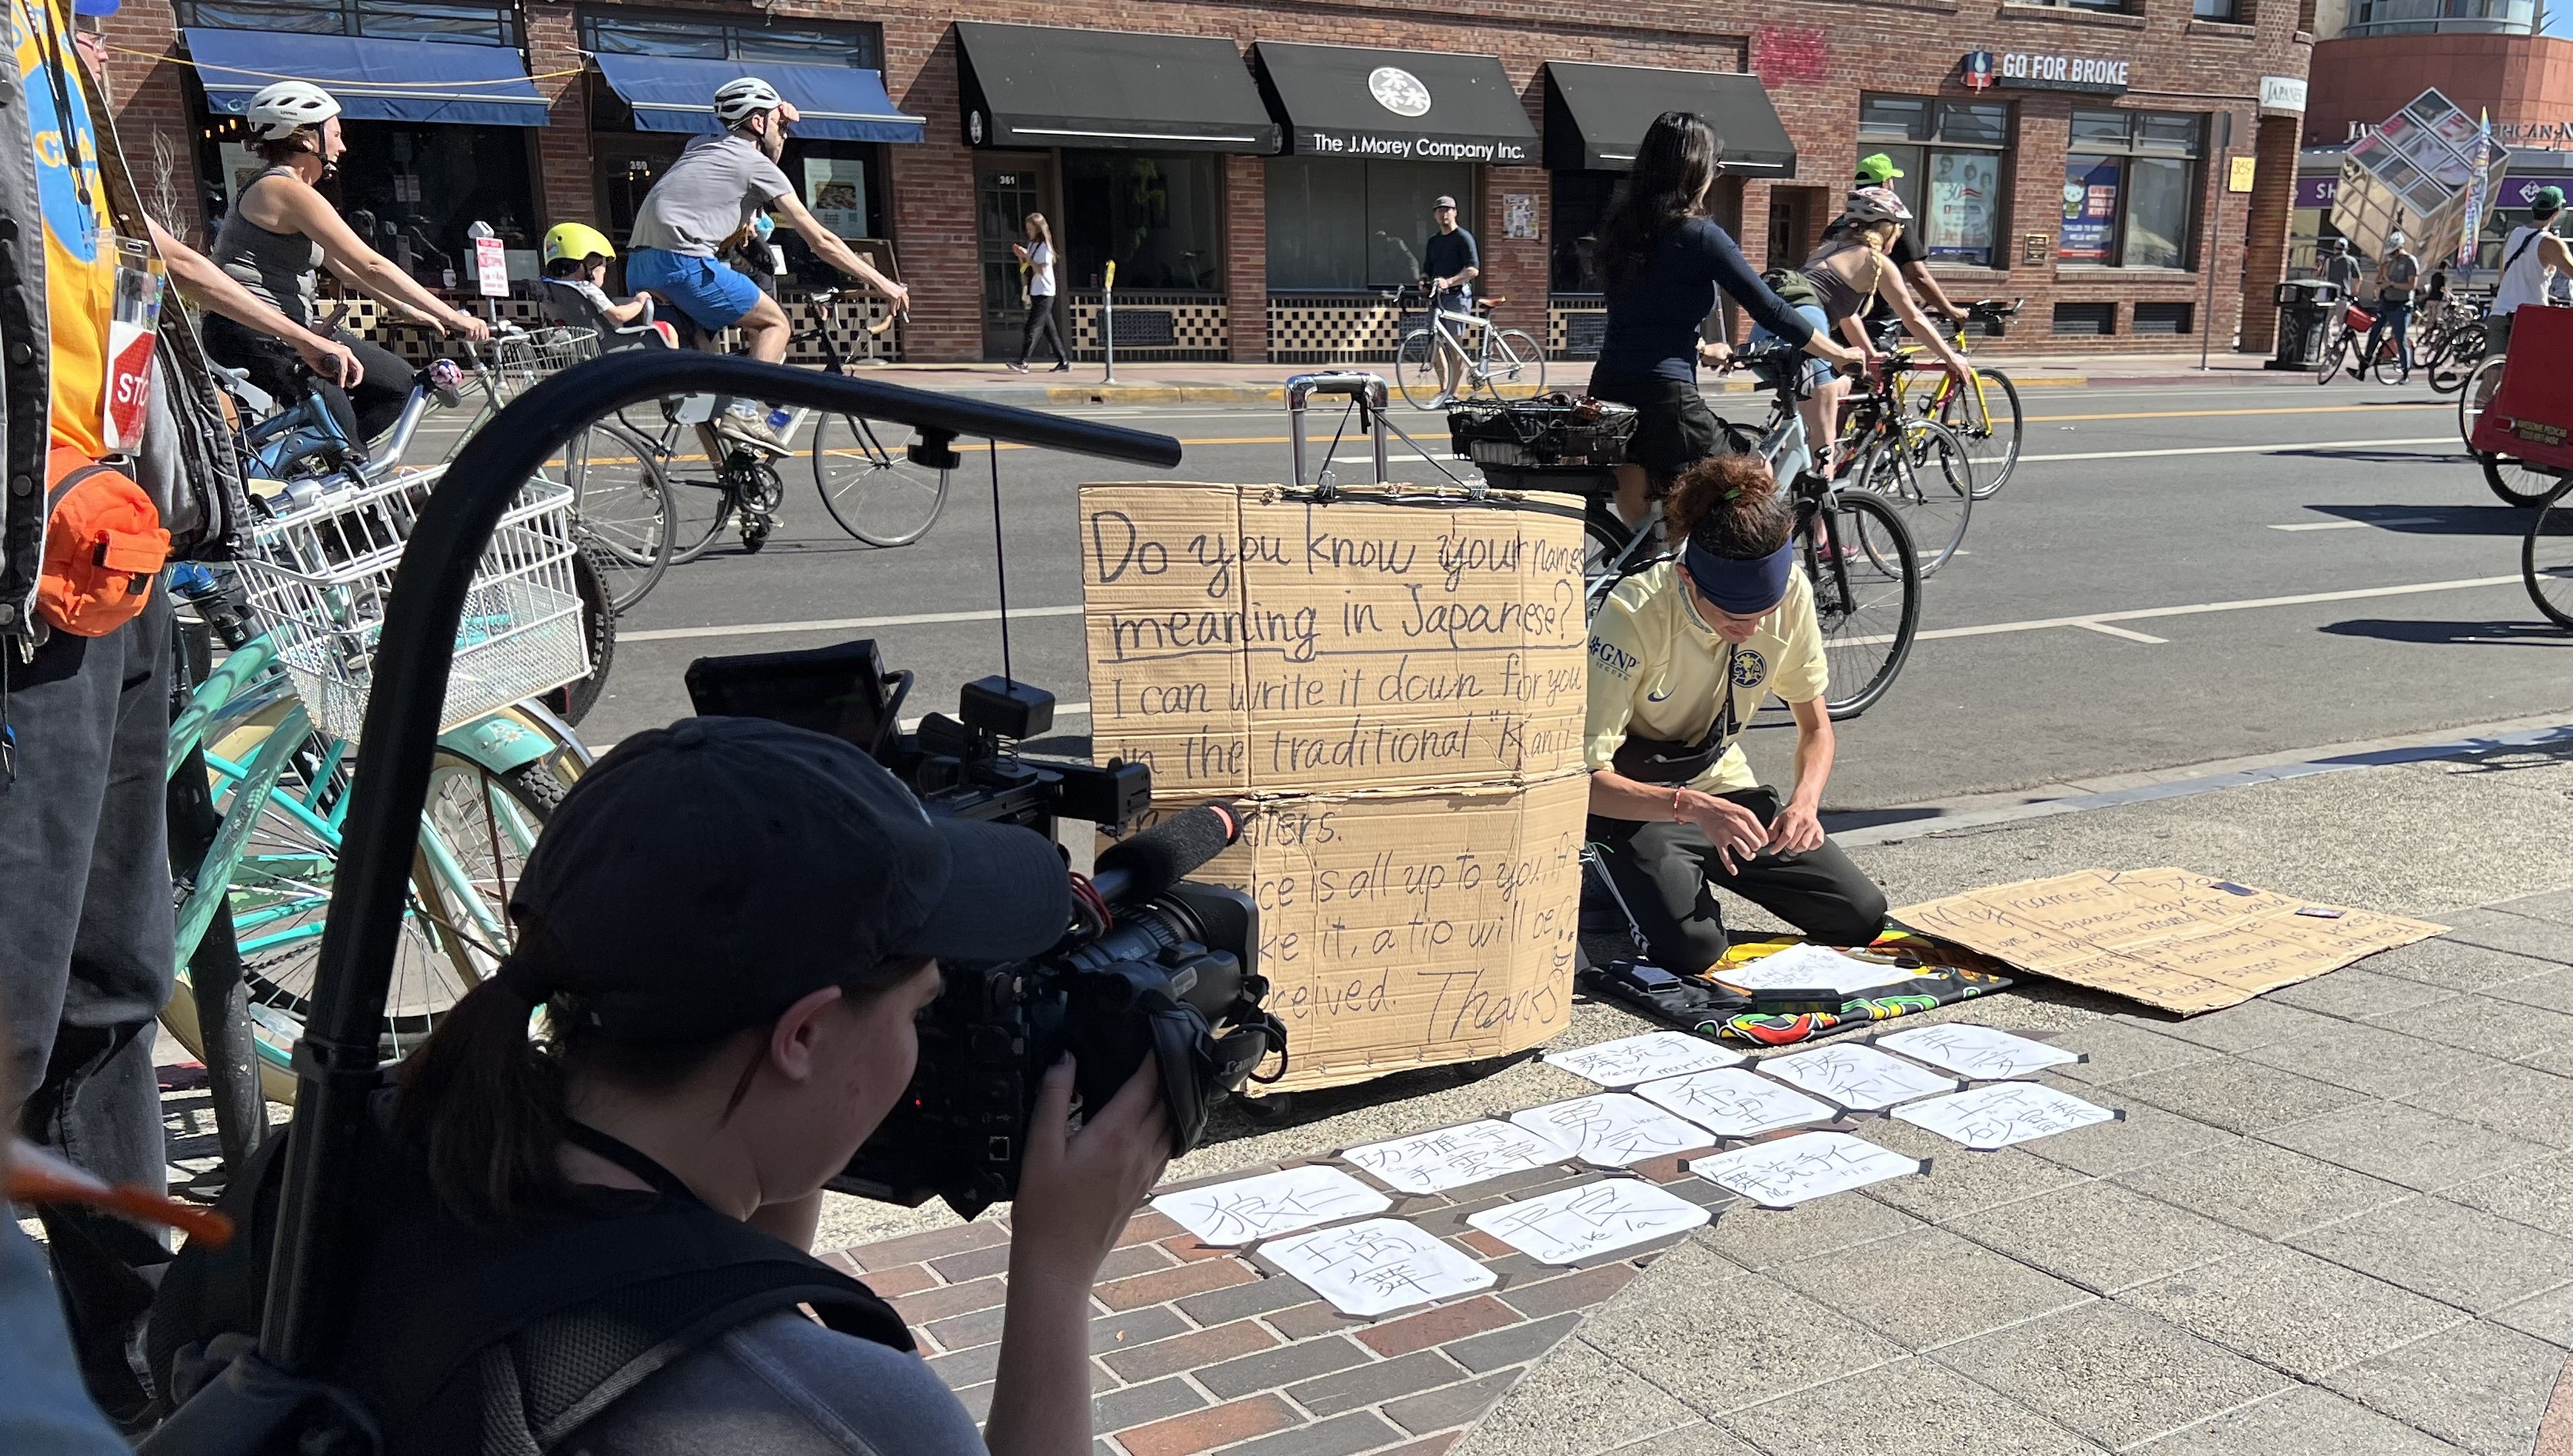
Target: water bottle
x,y
780,417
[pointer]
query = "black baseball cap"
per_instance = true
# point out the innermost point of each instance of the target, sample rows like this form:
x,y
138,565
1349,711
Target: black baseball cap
x,y
705,877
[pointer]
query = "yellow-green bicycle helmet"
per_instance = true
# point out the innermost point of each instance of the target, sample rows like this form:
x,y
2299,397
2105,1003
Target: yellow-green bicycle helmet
x,y
577,241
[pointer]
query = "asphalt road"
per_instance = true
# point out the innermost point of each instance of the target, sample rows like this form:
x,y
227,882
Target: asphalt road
x,y
2177,575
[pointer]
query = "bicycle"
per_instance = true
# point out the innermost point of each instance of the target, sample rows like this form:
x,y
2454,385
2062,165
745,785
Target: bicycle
x,y
1502,356
1917,464
2345,348
2514,480
882,489
2546,554
1993,424
2453,343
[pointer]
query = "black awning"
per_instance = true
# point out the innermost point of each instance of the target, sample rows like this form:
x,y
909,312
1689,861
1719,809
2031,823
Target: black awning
x,y
1046,86
1596,115
1411,106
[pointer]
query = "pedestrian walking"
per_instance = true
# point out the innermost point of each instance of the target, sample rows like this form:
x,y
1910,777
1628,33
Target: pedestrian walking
x,y
2398,273
1035,266
1451,261
2340,270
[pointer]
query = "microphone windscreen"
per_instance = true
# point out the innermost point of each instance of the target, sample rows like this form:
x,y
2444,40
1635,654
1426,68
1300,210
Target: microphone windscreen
x,y
1168,853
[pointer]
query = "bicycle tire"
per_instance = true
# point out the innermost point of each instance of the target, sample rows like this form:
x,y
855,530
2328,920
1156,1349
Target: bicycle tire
x,y
277,913
572,701
2476,392
2387,367
869,483
1925,475
2336,356
2546,557
2462,348
1866,597
623,505
1415,368
1520,356
1995,449
2518,483
699,505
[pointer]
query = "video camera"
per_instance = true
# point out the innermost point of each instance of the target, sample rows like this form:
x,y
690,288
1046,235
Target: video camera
x,y
1153,964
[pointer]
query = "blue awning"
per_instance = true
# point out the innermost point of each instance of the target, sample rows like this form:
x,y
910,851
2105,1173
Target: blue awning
x,y
838,103
375,80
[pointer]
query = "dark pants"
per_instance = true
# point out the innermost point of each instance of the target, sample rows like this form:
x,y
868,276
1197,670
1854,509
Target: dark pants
x,y
2398,318
1667,874
85,961
1041,325
274,367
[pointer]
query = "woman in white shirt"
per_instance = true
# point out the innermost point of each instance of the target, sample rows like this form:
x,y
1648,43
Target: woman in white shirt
x,y
1035,266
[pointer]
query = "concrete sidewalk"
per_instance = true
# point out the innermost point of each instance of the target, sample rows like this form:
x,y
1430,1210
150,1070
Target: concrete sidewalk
x,y
2336,1219
1264,384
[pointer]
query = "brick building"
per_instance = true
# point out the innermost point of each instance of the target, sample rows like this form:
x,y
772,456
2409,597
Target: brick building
x,y
2089,157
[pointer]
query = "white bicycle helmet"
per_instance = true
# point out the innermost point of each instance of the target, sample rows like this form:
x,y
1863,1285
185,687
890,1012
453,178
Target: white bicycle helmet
x,y
737,101
288,107
1875,205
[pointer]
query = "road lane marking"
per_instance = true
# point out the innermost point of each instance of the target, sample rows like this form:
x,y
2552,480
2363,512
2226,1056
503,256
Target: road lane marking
x,y
2091,620
2221,414
2104,627
844,624
2351,525
2247,450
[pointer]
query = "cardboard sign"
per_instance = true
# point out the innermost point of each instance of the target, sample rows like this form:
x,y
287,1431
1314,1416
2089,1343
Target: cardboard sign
x,y
1397,690
2168,938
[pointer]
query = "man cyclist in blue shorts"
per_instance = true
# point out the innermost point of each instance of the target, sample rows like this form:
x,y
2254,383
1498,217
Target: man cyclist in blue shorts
x,y
717,188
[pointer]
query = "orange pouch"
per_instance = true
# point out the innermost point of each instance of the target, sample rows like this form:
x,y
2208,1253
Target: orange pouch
x,y
103,546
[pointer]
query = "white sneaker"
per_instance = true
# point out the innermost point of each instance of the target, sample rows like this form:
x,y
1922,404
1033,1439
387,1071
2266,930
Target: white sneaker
x,y
746,425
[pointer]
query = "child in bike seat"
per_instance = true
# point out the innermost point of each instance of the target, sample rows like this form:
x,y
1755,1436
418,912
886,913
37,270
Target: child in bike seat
x,y
575,261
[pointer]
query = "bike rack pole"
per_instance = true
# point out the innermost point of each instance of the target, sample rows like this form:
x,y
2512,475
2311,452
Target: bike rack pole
x,y
1368,390
311,1284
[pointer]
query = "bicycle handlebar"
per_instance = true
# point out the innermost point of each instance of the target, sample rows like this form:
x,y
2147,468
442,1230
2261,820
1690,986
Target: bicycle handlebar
x,y
336,1060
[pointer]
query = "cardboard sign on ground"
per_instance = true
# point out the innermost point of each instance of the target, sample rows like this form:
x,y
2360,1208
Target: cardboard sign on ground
x,y
1391,683
2168,938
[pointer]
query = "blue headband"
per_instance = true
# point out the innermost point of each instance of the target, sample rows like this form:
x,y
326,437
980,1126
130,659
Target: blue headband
x,y
1742,588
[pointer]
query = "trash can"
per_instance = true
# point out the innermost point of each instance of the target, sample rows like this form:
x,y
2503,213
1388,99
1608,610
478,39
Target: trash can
x,y
2305,304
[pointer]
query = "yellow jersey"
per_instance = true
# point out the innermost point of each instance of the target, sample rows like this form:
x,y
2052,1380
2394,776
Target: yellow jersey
x,y
80,256
1656,669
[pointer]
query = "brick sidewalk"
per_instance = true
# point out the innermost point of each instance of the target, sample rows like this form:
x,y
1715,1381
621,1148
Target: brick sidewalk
x,y
1196,1348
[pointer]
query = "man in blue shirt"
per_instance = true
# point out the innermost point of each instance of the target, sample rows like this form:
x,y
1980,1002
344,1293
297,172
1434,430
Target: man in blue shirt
x,y
1452,263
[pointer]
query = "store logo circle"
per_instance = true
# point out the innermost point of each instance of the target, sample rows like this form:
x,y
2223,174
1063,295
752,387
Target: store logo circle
x,y
1399,91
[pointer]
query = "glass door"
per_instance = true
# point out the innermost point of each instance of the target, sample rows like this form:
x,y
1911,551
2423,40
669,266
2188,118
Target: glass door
x,y
1006,190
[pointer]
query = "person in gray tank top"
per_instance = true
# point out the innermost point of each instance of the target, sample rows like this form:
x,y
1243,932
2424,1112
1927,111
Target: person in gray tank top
x,y
280,232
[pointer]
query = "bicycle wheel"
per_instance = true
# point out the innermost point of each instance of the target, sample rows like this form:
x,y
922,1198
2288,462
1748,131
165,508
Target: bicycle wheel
x,y
1415,368
623,506
1992,446
475,829
2518,483
1867,597
2547,559
2387,367
700,502
590,574
2464,349
2337,355
869,483
1516,362
1924,474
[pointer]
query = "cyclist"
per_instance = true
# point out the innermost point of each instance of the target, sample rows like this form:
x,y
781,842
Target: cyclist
x,y
2397,273
1834,286
2531,258
575,258
1664,261
720,184
1877,170
2340,270
1682,654
1450,260
277,238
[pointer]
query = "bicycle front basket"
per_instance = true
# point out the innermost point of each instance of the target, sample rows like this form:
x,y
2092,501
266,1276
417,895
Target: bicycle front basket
x,y
1552,429
319,573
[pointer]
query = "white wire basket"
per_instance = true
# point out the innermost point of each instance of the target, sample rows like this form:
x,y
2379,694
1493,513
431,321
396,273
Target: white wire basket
x,y
319,572
517,360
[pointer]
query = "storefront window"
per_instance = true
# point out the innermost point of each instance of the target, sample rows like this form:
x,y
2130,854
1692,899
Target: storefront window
x,y
467,24
1335,224
1951,154
1156,217
709,38
411,191
1580,204
2130,189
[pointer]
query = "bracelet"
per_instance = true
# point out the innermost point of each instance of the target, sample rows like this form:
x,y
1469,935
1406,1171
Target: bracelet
x,y
1676,816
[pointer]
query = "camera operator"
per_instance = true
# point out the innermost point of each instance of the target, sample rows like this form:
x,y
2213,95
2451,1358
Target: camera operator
x,y
1681,655
731,926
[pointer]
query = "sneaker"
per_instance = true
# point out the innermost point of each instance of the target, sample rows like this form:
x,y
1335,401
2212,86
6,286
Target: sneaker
x,y
749,426
1062,368
1018,368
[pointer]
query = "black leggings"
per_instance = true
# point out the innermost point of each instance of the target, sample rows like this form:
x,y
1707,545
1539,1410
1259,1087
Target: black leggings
x,y
1663,873
275,368
1041,325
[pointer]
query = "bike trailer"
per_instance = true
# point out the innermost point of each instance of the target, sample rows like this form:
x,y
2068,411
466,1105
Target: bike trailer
x,y
2530,418
1550,429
